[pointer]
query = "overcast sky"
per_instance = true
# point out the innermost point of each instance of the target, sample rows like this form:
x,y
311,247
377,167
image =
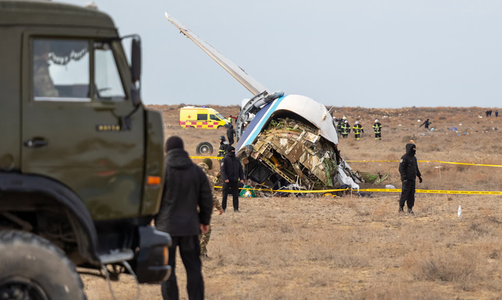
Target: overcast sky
x,y
368,53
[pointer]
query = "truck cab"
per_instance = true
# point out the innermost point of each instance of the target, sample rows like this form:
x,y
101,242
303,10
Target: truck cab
x,y
81,158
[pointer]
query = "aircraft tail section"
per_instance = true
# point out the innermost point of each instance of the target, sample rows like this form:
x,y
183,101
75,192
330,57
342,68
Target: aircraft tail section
x,y
237,72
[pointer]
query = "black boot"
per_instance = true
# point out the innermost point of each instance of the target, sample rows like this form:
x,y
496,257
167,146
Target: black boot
x,y
410,211
401,210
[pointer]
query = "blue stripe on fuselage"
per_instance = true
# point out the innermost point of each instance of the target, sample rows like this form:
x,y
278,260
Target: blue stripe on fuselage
x,y
256,126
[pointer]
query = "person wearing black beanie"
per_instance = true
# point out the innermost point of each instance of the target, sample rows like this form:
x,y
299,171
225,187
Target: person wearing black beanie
x,y
185,212
174,142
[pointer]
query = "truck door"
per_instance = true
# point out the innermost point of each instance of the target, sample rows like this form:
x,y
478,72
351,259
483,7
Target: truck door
x,y
71,110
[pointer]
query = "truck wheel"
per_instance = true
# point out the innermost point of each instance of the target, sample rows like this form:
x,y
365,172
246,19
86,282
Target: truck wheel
x,y
32,268
204,148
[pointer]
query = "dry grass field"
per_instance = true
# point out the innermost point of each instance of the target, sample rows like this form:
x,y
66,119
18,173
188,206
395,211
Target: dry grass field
x,y
361,248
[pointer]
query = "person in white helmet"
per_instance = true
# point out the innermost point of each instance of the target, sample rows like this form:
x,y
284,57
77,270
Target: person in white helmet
x,y
345,129
377,127
358,128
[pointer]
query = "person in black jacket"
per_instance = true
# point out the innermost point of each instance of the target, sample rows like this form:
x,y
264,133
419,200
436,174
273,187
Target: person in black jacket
x,y
223,147
426,123
408,168
231,171
185,212
230,134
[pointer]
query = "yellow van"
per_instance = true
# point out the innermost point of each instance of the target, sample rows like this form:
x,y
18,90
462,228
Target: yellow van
x,y
201,117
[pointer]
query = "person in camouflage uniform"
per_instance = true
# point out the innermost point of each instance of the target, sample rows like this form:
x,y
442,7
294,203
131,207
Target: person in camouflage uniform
x,y
206,165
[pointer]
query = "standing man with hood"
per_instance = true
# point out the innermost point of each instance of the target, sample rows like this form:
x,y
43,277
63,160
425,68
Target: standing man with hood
x,y
231,171
230,134
185,212
408,168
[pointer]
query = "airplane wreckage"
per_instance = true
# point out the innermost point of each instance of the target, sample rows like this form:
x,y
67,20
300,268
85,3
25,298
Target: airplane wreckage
x,y
286,142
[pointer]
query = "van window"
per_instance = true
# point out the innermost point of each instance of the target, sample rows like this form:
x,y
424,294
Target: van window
x,y
61,70
213,117
201,117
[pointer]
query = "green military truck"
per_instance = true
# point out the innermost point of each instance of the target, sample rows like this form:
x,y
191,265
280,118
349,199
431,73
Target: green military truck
x,y
81,158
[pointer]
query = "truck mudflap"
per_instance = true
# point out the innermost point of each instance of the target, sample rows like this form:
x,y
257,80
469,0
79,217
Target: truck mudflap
x,y
153,256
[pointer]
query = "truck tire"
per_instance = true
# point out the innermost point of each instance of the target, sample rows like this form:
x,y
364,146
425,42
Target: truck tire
x,y
204,148
32,268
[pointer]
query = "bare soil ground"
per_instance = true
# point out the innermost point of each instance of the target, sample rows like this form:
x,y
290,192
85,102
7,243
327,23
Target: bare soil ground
x,y
361,248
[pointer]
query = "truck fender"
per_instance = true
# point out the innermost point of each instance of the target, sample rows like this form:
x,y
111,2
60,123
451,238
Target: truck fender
x,y
80,219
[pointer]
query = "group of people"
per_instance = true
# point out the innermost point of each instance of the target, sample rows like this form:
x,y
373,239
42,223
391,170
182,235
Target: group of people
x,y
343,128
188,200
223,142
489,113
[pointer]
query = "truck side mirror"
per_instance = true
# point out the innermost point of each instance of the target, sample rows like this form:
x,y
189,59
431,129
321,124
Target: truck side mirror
x,y
135,60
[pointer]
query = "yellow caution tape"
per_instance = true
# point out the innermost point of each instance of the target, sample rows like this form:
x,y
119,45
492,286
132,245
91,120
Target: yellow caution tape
x,y
290,191
373,161
459,192
381,190
465,164
432,161
435,191
376,191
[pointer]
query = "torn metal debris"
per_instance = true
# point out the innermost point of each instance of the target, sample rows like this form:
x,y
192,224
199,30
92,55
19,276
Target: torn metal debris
x,y
291,152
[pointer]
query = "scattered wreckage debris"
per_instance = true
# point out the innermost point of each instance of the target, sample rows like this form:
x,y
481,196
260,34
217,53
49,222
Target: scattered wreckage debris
x,y
204,148
290,152
374,178
286,142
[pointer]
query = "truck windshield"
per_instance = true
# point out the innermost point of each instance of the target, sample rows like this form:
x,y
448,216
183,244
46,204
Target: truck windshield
x,y
220,116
